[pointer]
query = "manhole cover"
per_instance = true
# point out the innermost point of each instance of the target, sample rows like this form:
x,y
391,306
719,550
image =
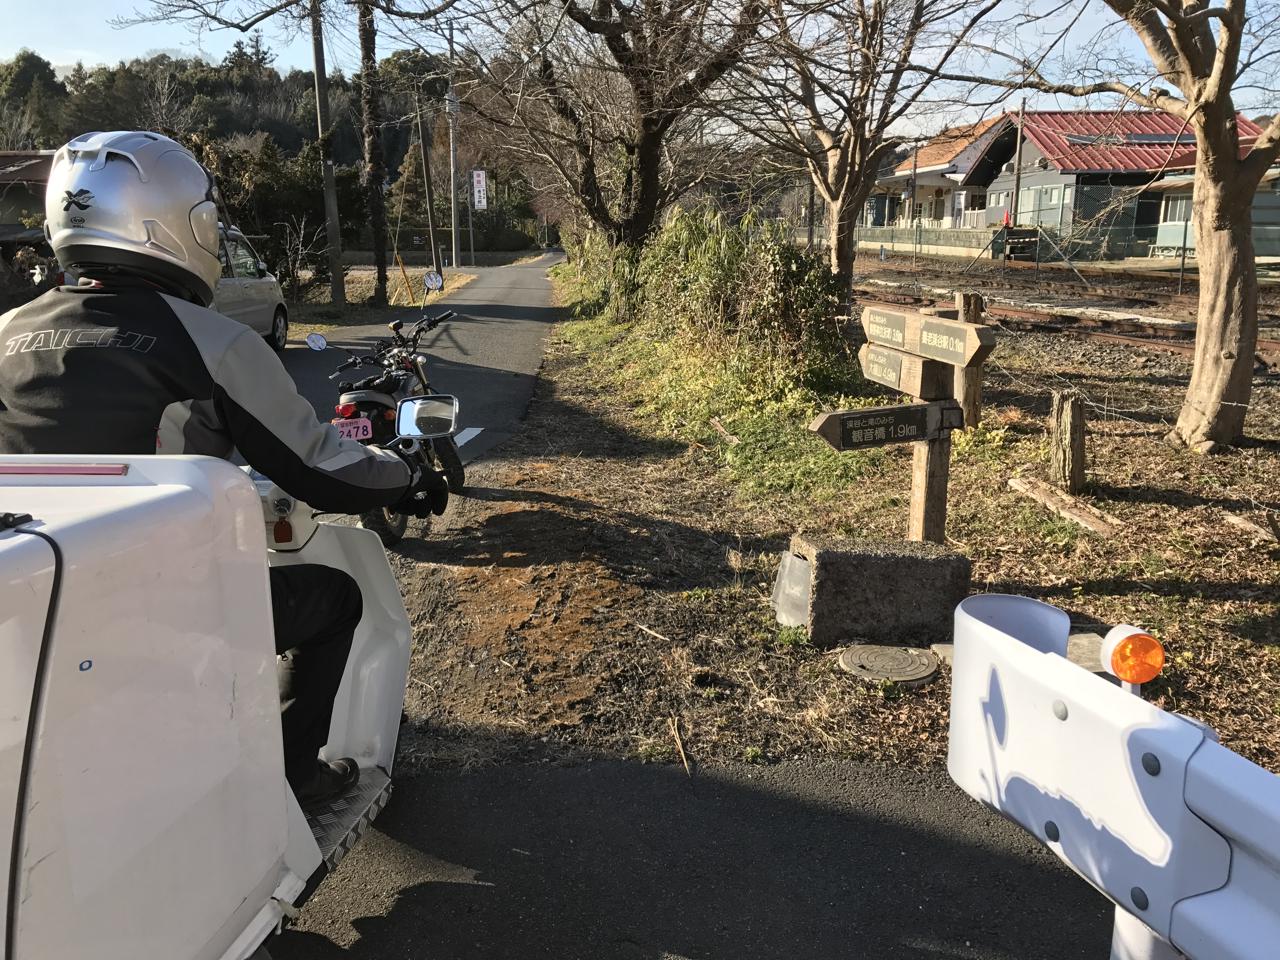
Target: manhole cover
x,y
897,664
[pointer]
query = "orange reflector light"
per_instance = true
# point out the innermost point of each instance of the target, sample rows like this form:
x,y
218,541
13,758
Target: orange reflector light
x,y
1137,658
282,531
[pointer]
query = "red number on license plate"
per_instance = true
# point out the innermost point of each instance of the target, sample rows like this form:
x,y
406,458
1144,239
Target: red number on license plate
x,y
358,428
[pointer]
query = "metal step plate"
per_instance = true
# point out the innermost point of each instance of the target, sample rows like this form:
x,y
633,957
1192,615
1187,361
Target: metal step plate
x,y
338,826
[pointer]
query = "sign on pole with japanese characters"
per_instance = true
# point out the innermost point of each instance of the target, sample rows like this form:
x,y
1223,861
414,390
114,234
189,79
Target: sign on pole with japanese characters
x,y
919,354
479,190
876,426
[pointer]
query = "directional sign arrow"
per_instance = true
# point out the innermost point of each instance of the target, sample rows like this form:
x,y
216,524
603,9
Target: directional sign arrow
x,y
947,341
926,379
876,426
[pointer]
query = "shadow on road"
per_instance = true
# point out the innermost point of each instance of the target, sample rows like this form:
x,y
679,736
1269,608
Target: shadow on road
x,y
626,860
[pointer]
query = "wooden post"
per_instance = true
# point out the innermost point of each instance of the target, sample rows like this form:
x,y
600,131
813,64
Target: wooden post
x,y
930,461
967,387
1067,441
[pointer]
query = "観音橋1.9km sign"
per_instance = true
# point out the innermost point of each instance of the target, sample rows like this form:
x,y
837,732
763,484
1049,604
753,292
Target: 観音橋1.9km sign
x,y
876,426
933,338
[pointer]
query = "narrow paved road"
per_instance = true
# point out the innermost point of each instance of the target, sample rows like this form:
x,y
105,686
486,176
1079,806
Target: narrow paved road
x,y
620,860
488,357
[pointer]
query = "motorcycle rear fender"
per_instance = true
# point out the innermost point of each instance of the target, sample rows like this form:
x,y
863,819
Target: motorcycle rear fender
x,y
368,396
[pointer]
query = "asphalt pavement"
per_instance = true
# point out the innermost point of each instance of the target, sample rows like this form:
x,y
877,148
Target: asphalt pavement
x,y
488,357
633,861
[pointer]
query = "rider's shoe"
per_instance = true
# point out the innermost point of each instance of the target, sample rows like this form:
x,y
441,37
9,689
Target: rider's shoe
x,y
331,780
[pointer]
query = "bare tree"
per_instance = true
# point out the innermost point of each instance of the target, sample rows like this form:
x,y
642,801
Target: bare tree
x,y
18,127
244,15
606,97
837,87
165,105
1209,55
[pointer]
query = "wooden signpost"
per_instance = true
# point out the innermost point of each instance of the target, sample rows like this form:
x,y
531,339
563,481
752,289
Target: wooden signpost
x,y
927,357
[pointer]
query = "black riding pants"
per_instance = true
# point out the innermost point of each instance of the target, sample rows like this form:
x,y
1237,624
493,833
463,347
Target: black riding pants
x,y
316,610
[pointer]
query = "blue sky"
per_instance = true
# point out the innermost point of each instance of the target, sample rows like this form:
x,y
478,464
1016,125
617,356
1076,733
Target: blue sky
x,y
64,31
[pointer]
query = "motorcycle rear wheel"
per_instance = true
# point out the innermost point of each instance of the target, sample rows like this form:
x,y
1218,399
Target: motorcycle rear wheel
x,y
387,524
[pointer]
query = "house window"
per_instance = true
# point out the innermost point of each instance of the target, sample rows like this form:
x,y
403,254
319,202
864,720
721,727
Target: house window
x,y
1068,194
1051,196
976,201
1177,209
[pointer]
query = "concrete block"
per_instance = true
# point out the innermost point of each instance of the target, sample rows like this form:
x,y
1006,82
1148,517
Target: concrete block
x,y
846,590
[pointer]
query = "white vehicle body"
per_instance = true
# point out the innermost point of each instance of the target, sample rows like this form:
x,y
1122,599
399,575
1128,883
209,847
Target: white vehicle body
x,y
247,292
1180,833
143,807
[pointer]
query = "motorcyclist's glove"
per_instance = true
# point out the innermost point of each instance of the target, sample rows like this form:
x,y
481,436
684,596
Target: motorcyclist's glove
x,y
430,494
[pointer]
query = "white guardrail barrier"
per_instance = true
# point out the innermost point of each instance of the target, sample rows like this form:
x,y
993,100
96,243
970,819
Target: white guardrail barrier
x,y
1179,832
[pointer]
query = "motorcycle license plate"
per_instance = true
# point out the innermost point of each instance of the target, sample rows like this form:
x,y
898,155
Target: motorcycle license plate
x,y
357,428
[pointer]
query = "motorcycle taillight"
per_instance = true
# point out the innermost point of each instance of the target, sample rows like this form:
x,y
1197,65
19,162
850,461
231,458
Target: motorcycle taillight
x,y
388,414
345,409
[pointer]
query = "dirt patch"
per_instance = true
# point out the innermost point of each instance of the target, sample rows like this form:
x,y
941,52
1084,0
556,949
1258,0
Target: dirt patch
x,y
600,589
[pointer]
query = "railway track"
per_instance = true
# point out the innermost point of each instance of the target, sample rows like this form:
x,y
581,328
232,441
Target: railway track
x,y
1162,338
1128,289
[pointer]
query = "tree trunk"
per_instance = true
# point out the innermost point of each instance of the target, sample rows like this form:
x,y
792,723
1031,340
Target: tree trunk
x,y
842,213
1217,399
641,205
374,172
332,228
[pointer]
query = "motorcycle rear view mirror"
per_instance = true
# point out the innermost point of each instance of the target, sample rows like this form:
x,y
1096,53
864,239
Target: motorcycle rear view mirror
x,y
422,418
317,341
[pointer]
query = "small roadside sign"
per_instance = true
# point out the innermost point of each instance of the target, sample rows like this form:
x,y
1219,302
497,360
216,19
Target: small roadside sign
x,y
933,359
904,372
876,426
479,190
934,338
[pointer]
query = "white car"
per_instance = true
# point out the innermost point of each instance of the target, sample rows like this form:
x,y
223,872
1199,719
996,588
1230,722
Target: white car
x,y
248,292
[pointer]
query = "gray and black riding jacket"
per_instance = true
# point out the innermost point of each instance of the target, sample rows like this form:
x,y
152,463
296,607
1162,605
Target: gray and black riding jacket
x,y
126,369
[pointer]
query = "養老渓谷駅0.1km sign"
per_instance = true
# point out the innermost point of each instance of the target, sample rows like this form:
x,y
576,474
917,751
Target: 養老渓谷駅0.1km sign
x,y
932,338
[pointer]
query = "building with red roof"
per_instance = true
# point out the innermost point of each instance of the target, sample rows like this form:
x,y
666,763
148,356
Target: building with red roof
x,y
1098,179
935,168
1087,174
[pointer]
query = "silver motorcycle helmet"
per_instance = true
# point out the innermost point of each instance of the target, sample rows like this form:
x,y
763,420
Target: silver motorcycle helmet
x,y
135,202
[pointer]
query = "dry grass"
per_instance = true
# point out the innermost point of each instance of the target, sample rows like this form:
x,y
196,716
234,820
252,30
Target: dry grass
x,y
315,314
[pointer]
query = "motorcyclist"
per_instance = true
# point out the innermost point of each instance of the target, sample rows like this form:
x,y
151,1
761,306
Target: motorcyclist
x,y
132,361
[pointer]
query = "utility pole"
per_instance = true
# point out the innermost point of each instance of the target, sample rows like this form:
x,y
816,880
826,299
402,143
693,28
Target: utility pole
x,y
1017,169
451,107
332,230
424,143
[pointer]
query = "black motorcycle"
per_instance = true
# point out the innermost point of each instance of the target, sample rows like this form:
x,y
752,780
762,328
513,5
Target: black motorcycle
x,y
366,409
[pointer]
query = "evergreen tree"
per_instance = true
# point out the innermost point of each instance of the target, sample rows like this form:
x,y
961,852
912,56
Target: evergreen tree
x,y
409,193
